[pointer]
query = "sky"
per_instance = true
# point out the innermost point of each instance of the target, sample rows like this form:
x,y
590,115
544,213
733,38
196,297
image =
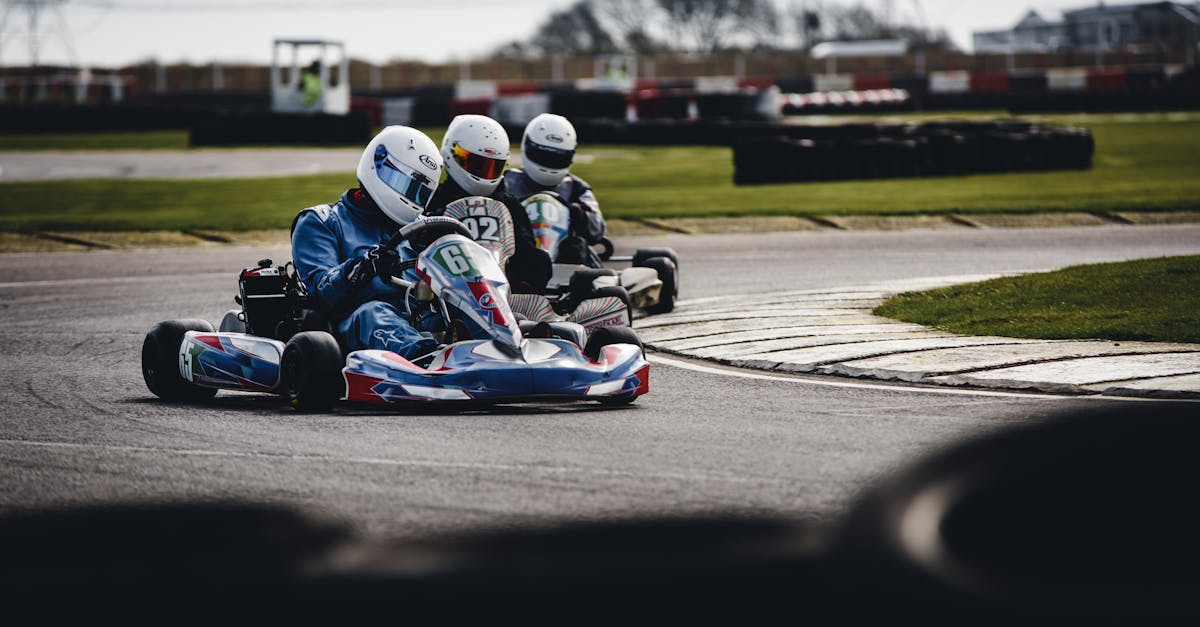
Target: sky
x,y
112,33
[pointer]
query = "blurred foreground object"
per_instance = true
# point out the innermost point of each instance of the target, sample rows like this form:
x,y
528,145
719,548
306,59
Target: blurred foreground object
x,y
1085,518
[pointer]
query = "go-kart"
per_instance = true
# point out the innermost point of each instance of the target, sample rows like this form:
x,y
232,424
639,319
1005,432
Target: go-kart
x,y
651,280
280,343
592,306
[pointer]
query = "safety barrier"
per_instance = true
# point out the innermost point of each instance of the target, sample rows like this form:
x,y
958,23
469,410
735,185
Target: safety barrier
x,y
280,128
863,151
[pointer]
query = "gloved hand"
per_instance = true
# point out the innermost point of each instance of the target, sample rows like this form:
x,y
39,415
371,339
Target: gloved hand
x,y
579,221
376,261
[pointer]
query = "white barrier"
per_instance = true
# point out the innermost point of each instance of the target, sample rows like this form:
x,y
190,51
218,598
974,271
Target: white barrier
x,y
955,82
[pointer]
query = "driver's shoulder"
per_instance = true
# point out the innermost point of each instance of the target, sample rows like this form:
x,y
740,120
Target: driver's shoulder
x,y
321,216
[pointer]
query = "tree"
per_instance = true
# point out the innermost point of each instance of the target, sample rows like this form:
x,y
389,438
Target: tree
x,y
632,21
709,25
574,30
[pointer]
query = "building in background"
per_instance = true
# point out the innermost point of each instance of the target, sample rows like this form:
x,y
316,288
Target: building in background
x,y
1103,26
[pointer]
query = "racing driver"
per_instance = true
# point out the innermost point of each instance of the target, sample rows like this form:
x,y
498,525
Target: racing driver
x,y
475,151
547,151
339,249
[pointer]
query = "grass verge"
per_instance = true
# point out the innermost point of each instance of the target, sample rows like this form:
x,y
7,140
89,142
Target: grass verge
x,y
131,140
1145,163
1154,300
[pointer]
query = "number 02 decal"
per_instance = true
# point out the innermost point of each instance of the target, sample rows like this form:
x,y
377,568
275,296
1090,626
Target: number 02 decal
x,y
483,228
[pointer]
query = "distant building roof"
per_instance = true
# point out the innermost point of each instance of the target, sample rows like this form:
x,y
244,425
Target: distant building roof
x,y
1032,19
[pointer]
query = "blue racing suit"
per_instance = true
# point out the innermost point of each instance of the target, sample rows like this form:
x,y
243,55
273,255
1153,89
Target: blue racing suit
x,y
326,242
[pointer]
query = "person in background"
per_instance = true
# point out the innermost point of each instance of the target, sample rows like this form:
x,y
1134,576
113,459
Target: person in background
x,y
310,83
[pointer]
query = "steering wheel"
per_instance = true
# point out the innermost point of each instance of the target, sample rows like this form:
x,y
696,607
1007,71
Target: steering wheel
x,y
421,233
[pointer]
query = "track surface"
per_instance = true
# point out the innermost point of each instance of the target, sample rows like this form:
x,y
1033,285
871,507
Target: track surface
x,y
80,427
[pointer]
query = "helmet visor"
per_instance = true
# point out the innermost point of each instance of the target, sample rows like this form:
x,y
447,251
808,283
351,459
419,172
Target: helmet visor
x,y
416,187
548,156
479,165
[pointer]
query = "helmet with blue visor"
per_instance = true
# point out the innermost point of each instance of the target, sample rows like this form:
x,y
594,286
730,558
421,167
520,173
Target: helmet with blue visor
x,y
400,169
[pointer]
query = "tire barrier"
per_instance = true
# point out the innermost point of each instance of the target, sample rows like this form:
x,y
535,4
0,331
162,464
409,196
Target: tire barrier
x,y
931,149
60,118
280,128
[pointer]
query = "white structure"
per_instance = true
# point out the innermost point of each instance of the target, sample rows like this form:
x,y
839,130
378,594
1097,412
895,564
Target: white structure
x,y
831,51
288,93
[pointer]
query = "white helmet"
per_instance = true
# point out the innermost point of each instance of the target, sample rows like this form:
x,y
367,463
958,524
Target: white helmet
x,y
475,150
400,170
548,148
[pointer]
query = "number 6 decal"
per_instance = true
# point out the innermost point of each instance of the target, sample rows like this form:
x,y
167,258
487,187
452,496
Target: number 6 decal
x,y
455,261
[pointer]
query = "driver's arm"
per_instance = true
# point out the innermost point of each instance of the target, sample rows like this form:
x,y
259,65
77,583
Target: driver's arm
x,y
316,252
586,218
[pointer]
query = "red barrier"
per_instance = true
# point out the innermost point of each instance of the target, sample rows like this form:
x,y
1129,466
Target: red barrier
x,y
996,82
756,82
463,106
1107,79
872,81
516,88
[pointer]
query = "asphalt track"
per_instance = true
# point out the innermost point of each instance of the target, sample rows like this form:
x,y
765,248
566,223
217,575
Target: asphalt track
x,y
80,427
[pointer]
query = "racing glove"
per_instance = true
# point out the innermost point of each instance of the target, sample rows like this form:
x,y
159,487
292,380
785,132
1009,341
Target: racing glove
x,y
579,219
377,260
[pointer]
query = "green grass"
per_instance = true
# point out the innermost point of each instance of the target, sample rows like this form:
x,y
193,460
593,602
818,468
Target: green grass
x,y
1145,162
118,205
1147,299
136,140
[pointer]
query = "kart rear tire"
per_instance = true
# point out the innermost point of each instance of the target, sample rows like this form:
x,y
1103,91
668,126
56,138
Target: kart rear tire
x,y
642,254
668,273
160,361
311,371
580,285
605,336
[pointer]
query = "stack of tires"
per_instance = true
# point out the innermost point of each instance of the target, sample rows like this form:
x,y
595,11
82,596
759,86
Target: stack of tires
x,y
799,154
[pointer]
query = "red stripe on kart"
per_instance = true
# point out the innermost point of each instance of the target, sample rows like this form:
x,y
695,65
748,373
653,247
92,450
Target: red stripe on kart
x,y
211,340
358,388
643,377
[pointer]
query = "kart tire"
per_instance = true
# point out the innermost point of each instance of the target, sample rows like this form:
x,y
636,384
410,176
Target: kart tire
x,y
311,371
580,285
605,336
616,291
160,361
668,273
642,254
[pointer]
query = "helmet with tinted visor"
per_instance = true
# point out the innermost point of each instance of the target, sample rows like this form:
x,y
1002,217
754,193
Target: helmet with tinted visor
x,y
550,157
414,186
482,166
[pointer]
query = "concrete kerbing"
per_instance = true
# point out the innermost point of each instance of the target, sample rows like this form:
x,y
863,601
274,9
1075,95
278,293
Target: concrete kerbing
x,y
19,241
811,338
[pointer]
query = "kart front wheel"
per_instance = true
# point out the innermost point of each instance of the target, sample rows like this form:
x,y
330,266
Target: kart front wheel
x,y
605,336
311,371
160,361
